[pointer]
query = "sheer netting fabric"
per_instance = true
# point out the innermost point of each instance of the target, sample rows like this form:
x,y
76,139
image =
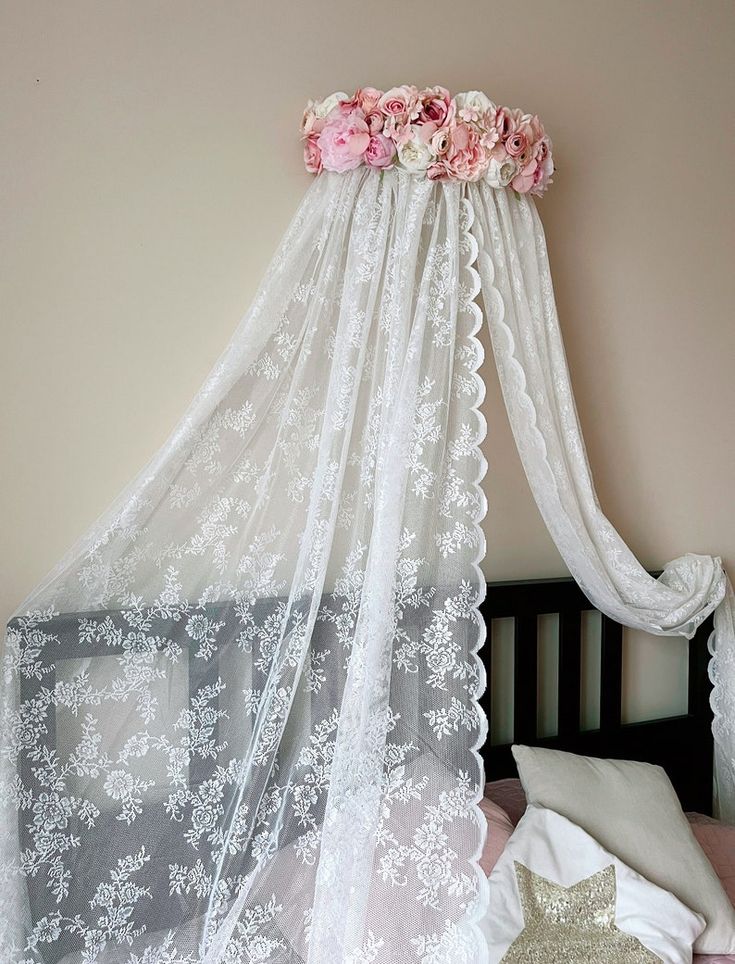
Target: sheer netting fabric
x,y
529,354
240,719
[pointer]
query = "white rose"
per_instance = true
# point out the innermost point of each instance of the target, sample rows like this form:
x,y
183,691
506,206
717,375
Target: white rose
x,y
474,100
415,155
329,103
501,173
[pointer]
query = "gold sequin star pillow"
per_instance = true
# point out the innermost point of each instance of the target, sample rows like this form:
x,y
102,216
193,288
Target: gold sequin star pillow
x,y
558,897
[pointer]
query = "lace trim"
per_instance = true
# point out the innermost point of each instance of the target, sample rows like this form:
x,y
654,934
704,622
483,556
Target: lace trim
x,y
471,277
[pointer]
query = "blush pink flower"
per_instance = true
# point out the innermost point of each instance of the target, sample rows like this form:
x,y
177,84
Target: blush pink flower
x,y
375,120
311,123
503,123
368,98
544,167
400,107
312,154
435,106
380,151
343,141
466,157
525,178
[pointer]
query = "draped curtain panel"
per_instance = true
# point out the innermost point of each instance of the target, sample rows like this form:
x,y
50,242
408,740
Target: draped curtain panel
x,y
529,354
240,719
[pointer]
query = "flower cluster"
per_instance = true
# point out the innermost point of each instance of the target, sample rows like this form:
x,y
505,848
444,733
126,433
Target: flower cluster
x,y
461,138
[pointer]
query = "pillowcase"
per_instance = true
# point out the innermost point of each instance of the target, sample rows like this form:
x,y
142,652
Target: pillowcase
x,y
557,895
632,810
499,830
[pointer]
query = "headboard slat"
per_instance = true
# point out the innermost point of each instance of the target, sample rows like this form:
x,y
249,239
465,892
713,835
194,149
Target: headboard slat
x,y
525,677
570,671
611,676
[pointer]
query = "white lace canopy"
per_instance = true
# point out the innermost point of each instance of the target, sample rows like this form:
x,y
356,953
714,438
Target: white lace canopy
x,y
240,717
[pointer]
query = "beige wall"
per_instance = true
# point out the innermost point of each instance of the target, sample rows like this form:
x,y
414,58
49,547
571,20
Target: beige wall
x,y
150,162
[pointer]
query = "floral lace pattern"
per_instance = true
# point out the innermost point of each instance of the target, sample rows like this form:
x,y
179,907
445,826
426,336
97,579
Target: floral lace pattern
x,y
519,302
240,718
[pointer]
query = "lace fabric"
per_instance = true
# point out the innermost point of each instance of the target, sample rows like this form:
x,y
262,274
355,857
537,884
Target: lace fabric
x,y
240,718
529,354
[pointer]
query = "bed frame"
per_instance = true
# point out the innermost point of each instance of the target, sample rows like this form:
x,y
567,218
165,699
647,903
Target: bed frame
x,y
682,745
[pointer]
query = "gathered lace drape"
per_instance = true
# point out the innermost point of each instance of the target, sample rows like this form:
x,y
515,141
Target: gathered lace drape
x,y
240,718
531,363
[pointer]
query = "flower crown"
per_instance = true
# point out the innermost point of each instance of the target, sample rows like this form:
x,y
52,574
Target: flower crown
x,y
460,138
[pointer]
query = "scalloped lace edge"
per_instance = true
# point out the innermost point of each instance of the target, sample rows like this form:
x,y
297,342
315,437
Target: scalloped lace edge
x,y
474,286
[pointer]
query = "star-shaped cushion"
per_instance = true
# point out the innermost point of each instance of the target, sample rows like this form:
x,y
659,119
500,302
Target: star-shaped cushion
x,y
574,924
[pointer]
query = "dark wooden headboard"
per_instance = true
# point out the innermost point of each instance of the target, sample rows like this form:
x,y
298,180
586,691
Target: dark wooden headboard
x,y
682,745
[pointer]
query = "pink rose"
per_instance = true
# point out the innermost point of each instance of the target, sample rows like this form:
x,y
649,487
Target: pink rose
x,y
380,151
400,106
435,105
521,136
368,98
312,154
466,158
343,141
517,143
375,120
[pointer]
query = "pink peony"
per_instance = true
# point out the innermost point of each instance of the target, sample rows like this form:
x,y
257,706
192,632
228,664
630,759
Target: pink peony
x,y
466,158
343,141
435,106
312,154
380,151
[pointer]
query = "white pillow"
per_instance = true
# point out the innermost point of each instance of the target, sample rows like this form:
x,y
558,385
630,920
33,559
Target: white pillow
x,y
582,904
632,810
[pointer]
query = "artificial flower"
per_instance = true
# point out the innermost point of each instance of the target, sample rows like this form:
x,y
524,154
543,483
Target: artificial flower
x,y
429,132
380,151
343,141
413,153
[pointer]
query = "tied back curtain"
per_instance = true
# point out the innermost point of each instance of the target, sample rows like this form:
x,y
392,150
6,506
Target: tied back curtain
x,y
240,719
529,354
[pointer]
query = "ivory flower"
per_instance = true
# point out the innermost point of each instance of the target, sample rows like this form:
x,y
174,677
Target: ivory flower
x,y
473,104
414,154
501,172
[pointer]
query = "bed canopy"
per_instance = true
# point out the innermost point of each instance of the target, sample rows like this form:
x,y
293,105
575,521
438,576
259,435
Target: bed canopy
x,y
240,718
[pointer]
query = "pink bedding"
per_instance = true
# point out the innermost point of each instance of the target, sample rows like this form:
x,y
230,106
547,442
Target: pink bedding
x,y
715,838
